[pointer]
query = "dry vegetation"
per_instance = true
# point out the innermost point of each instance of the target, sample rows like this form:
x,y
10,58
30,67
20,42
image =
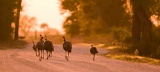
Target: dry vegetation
x,y
20,44
117,52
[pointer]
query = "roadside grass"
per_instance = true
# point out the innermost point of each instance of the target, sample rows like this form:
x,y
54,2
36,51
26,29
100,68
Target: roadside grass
x,y
117,52
20,44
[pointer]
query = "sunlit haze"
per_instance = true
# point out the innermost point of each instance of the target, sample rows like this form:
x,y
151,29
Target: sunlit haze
x,y
45,11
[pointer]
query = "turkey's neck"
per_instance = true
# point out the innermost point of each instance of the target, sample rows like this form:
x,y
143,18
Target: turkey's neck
x,y
64,40
41,39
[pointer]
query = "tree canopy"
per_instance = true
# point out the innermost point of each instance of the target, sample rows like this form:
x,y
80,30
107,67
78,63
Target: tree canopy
x,y
88,17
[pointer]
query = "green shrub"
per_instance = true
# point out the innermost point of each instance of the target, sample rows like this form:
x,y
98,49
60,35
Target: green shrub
x,y
122,35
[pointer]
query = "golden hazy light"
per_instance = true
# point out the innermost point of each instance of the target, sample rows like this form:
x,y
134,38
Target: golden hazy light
x,y
45,11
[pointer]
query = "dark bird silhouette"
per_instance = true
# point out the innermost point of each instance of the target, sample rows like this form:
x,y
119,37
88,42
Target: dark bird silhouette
x,y
35,49
93,51
40,48
48,46
67,46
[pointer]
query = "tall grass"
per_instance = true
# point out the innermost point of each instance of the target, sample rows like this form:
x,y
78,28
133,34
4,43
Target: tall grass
x,y
119,53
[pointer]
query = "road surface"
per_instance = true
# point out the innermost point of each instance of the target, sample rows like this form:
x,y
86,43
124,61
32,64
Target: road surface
x,y
24,60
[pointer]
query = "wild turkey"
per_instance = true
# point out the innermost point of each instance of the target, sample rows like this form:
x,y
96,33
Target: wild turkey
x,y
93,51
48,46
40,48
67,46
34,48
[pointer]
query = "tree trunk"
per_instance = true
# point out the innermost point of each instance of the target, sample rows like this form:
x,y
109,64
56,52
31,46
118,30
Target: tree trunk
x,y
17,19
141,30
6,18
136,30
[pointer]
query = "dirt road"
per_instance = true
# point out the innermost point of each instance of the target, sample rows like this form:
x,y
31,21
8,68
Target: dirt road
x,y
24,60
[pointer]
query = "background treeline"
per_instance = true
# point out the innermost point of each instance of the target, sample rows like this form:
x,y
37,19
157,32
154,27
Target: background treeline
x,y
128,22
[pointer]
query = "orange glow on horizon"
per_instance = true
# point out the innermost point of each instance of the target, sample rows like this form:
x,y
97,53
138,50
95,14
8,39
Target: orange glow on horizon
x,y
45,11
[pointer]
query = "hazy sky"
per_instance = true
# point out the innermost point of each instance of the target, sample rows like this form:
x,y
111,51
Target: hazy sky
x,y
46,11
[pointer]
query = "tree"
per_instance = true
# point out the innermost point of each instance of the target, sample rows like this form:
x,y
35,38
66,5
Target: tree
x,y
17,17
94,17
44,26
7,17
26,23
71,24
142,26
9,12
100,16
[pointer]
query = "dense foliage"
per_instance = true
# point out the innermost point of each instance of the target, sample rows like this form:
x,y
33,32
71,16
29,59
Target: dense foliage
x,y
128,20
89,17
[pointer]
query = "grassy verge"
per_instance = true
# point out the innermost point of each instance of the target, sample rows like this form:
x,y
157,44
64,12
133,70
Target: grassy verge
x,y
20,44
118,53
